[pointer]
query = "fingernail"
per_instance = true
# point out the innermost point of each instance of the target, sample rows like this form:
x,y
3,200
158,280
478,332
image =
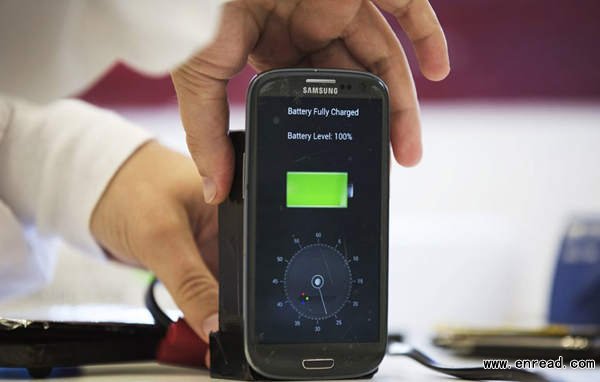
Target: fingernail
x,y
207,359
211,324
210,189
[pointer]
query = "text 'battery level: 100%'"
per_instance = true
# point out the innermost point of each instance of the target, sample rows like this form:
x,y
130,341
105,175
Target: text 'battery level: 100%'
x,y
310,137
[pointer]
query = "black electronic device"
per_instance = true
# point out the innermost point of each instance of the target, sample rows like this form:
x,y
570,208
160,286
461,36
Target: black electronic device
x,y
41,346
315,224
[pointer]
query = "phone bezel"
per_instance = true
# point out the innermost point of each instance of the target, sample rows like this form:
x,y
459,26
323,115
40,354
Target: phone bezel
x,y
284,361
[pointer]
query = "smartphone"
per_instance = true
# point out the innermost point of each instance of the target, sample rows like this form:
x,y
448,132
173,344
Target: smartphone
x,y
316,223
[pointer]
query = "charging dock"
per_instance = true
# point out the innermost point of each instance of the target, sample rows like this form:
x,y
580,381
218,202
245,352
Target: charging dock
x,y
227,357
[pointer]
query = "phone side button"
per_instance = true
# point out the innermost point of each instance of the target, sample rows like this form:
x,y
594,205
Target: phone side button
x,y
318,363
244,177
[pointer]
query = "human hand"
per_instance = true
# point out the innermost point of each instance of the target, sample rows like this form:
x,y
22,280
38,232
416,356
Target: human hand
x,y
268,34
152,214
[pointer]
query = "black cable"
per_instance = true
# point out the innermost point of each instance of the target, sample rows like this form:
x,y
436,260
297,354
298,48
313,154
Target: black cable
x,y
470,373
160,317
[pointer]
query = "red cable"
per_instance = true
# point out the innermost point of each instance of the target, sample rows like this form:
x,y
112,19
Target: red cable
x,y
181,346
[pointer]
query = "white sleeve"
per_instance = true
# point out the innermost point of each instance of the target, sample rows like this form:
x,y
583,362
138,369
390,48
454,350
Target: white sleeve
x,y
52,49
56,161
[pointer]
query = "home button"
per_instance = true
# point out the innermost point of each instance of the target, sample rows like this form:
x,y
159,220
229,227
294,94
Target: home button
x,y
317,363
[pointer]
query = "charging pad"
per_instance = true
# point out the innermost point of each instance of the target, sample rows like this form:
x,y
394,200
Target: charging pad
x,y
227,357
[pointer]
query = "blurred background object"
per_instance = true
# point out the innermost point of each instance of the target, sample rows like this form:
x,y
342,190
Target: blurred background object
x,y
576,287
511,142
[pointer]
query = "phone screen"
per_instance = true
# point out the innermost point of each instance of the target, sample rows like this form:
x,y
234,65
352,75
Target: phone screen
x,y
318,219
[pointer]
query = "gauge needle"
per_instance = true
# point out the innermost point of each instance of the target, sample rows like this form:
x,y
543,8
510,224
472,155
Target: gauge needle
x,y
323,301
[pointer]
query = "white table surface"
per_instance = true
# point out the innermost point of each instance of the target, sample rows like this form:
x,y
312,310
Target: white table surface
x,y
393,368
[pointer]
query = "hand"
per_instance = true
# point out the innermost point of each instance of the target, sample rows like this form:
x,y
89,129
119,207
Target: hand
x,y
152,215
306,33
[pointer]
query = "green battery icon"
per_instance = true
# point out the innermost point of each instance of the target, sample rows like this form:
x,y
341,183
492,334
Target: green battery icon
x,y
317,189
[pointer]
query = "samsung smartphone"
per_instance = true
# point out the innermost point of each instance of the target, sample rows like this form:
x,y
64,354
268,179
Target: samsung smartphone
x,y
316,224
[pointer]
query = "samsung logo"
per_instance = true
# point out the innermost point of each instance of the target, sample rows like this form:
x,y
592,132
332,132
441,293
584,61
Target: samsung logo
x,y
319,90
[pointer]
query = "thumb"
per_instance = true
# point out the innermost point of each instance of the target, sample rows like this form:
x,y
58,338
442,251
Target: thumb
x,y
172,255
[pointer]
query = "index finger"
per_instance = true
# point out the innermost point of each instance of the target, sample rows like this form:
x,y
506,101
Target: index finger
x,y
371,41
420,23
